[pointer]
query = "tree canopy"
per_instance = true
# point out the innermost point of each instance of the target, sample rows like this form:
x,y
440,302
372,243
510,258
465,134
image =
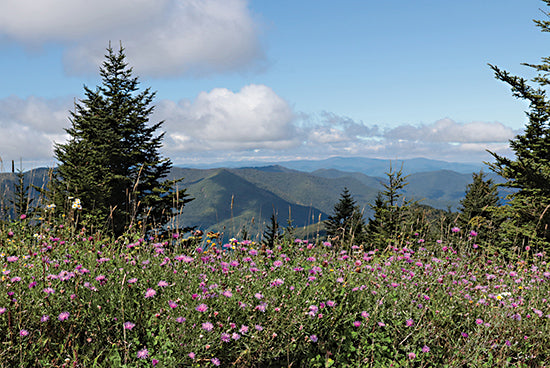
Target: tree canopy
x,y
111,161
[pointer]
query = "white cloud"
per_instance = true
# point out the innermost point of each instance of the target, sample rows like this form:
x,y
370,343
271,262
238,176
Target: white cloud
x,y
253,118
255,124
162,37
28,127
447,130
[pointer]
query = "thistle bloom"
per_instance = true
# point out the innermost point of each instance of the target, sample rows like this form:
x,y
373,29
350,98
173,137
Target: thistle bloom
x,y
202,308
150,293
425,349
129,325
63,316
143,354
23,333
409,322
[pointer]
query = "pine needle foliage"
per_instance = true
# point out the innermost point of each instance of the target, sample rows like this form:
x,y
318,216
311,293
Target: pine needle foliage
x,y
111,161
527,212
346,224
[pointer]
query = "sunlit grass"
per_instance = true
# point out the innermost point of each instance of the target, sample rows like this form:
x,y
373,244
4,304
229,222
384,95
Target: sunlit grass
x,y
73,299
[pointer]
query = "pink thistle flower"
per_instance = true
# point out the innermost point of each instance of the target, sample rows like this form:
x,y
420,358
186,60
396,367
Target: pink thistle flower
x,y
163,283
201,308
191,355
243,329
313,338
412,356
225,337
215,361
357,323
381,324
235,336
180,319
409,322
207,326
45,318
12,259
23,333
479,321
132,280
129,325
425,349
172,304
63,316
143,354
331,303
455,229
150,293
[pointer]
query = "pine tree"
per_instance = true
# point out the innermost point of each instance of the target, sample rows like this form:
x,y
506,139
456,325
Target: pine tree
x,y
390,209
527,212
272,233
346,224
477,208
111,161
21,200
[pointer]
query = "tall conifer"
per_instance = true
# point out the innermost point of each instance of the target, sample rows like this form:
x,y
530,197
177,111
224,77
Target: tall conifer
x,y
527,212
111,161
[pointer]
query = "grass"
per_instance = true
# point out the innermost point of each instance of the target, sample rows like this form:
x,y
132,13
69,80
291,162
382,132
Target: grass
x,y
73,299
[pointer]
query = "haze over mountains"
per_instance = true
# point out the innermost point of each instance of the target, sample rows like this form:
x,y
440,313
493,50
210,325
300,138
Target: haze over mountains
x,y
229,199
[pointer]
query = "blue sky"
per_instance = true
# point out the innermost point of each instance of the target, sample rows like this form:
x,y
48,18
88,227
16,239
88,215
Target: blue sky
x,y
277,80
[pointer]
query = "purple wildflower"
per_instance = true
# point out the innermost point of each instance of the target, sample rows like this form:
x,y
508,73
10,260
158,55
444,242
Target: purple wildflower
x,y
143,354
202,308
63,316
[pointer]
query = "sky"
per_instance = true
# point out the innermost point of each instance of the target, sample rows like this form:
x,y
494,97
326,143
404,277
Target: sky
x,y
263,80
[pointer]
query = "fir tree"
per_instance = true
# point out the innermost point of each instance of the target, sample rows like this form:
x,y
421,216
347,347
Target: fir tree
x,y
390,209
111,161
527,212
477,208
272,233
346,224
21,200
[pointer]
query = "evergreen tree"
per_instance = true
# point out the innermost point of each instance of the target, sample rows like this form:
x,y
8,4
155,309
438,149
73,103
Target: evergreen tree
x,y
111,161
477,208
346,224
390,209
272,233
21,200
527,212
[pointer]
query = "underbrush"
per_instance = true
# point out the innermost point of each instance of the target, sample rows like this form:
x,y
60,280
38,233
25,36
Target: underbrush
x,y
72,299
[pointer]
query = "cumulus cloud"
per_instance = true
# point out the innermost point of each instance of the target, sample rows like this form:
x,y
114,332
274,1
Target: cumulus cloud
x,y
254,123
28,127
253,118
162,37
447,130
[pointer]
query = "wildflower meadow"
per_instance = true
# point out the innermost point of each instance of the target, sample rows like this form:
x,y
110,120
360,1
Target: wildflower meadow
x,y
70,298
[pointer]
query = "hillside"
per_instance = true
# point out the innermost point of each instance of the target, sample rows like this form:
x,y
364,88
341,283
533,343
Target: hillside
x,y
228,199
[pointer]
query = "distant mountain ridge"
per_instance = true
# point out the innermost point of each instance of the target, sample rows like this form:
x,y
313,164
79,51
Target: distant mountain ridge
x,y
233,199
368,166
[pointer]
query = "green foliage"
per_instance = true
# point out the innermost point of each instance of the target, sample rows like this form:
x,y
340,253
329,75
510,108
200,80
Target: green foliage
x,y
346,224
391,210
21,200
300,304
528,173
478,209
112,161
271,234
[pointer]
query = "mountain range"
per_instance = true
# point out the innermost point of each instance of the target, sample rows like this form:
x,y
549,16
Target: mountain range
x,y
232,199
